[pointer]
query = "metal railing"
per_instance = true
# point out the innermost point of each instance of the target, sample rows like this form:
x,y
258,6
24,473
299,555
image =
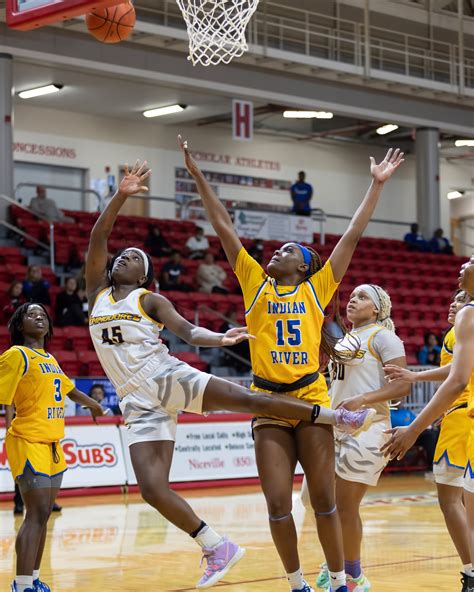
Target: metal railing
x,y
350,43
83,192
23,234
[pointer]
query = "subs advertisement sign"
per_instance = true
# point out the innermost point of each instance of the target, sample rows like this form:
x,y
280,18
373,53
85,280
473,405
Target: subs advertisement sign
x,y
94,456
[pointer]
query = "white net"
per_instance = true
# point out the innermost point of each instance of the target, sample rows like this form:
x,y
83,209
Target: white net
x,y
216,29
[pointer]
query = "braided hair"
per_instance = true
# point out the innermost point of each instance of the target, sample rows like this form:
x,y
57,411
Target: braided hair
x,y
328,339
15,324
383,315
150,276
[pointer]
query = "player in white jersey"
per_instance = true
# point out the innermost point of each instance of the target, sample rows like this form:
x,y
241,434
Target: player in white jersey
x,y
125,320
358,383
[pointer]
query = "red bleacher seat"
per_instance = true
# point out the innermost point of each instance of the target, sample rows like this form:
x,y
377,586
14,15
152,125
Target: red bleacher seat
x,y
69,362
78,338
90,365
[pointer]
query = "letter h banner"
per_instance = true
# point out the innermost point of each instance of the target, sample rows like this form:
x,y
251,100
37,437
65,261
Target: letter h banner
x,y
242,120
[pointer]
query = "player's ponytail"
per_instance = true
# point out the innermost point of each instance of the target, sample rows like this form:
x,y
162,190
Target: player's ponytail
x,y
328,350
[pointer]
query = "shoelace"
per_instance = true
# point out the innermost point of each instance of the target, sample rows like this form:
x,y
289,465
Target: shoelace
x,y
213,564
464,582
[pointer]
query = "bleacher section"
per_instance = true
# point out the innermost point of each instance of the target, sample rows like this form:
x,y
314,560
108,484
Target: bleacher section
x,y
421,285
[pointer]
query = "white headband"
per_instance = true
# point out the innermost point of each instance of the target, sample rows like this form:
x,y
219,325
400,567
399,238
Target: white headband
x,y
143,256
372,294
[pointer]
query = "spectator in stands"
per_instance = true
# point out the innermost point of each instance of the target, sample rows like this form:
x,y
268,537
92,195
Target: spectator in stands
x,y
210,276
35,288
301,194
256,250
402,416
97,392
156,243
439,243
242,349
69,306
171,274
414,240
429,354
46,207
14,298
197,245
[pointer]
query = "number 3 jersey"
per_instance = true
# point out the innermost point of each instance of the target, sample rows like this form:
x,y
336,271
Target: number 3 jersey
x,y
33,380
364,373
286,320
126,339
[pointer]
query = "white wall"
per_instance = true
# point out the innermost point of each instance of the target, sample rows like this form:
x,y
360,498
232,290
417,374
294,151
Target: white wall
x,y
339,173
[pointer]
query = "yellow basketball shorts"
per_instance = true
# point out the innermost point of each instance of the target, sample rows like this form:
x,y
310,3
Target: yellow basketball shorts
x,y
42,458
453,436
469,472
315,393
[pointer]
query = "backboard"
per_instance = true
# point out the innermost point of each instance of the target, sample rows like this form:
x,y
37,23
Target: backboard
x,y
31,14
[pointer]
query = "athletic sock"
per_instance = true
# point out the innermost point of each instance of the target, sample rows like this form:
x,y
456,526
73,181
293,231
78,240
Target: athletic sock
x,y
468,569
337,579
36,574
295,579
325,415
206,537
352,568
24,583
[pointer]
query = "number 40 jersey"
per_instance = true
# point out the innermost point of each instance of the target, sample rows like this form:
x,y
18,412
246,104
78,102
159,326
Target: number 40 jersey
x,y
126,339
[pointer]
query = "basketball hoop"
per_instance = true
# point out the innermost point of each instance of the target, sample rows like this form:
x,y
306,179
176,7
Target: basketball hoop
x,y
216,29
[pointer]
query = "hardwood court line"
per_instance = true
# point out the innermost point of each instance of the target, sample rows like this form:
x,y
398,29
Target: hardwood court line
x,y
223,584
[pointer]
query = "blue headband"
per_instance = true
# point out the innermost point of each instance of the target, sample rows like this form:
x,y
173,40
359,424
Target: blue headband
x,y
306,257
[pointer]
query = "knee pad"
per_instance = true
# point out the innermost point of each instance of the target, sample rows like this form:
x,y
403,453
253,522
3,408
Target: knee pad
x,y
278,518
332,511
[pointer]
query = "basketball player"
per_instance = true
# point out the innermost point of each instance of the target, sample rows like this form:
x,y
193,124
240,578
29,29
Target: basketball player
x,y
32,380
460,377
285,308
360,382
450,456
125,320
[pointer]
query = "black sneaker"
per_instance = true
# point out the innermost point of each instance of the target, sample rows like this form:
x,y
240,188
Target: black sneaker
x,y
467,583
56,508
18,509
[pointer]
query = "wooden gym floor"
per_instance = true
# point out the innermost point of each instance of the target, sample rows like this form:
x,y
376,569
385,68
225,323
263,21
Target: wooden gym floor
x,y
116,543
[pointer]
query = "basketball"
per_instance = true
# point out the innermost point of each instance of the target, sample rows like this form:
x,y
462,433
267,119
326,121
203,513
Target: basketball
x,y
113,24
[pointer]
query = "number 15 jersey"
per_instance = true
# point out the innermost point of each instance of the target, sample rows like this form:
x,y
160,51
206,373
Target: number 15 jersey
x,y
126,339
286,320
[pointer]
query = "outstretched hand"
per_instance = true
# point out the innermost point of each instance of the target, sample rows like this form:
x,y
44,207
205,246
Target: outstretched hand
x,y
393,372
383,171
236,335
402,439
133,181
189,161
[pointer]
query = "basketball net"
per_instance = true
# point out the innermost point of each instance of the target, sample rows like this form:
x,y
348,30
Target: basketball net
x,y
216,29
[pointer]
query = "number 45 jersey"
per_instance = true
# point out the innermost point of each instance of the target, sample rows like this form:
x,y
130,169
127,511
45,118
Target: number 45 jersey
x,y
126,339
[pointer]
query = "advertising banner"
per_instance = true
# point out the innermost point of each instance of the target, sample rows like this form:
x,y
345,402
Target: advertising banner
x,y
273,226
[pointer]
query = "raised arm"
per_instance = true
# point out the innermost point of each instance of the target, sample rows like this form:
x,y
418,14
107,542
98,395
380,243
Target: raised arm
x,y
217,215
97,254
460,372
342,254
161,310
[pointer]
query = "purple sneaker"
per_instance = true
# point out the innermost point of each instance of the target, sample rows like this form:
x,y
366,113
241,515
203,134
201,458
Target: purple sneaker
x,y
219,561
354,422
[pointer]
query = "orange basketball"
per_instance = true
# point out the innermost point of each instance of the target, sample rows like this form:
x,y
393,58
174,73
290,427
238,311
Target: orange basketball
x,y
113,24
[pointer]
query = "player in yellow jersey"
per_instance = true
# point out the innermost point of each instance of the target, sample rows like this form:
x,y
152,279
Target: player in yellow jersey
x,y
285,310
460,378
450,456
32,380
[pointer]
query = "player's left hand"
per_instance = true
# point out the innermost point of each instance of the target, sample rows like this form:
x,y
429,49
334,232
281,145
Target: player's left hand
x,y
189,161
96,410
383,171
354,403
401,441
236,335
